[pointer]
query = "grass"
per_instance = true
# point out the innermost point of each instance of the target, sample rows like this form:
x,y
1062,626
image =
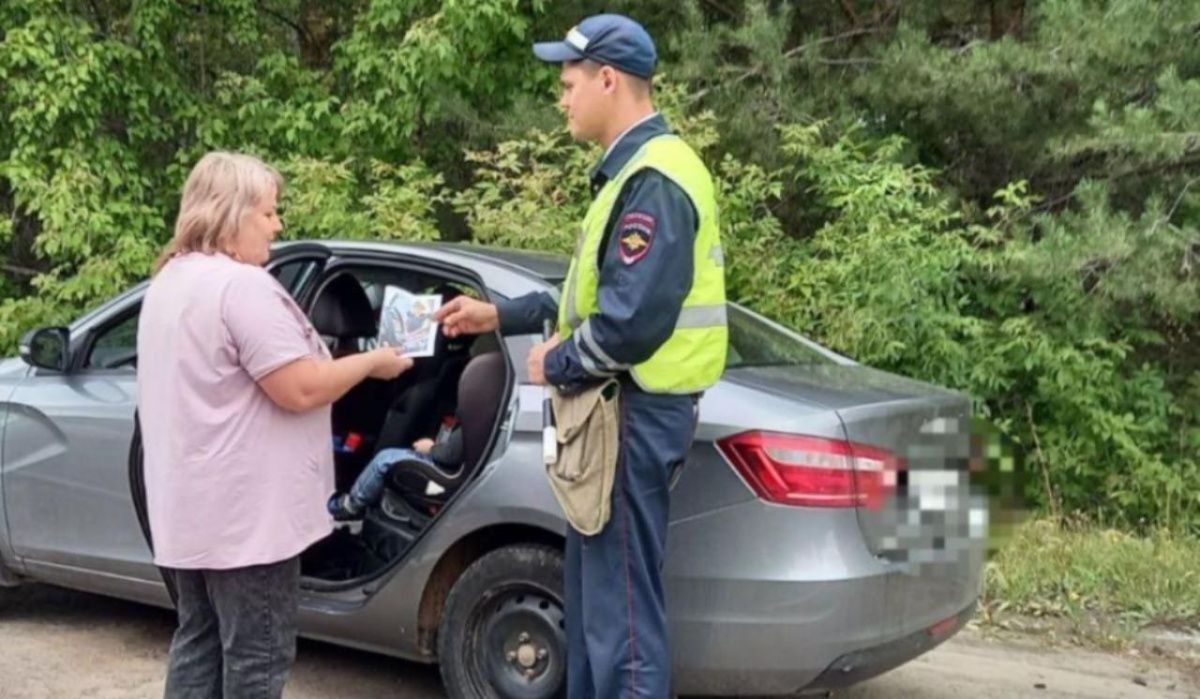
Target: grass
x,y
1102,585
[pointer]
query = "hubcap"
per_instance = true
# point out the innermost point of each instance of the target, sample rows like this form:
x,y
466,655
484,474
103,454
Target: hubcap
x,y
521,644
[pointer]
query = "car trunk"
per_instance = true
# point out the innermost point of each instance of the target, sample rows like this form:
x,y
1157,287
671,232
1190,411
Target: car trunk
x,y
911,446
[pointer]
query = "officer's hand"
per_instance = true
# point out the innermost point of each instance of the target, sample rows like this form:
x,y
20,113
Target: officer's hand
x,y
537,360
467,316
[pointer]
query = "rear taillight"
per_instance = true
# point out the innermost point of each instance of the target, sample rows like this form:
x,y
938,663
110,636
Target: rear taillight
x,y
807,471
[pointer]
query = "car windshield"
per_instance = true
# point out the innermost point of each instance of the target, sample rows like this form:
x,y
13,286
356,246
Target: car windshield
x,y
755,341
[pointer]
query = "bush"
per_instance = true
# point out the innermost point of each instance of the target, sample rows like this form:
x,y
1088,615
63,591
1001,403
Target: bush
x,y
998,197
895,277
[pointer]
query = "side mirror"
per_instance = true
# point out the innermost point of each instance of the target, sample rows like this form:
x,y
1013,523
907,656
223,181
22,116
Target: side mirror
x,y
47,348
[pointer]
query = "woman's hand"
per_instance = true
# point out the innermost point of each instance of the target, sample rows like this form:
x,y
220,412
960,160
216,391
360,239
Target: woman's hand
x,y
388,363
307,383
423,446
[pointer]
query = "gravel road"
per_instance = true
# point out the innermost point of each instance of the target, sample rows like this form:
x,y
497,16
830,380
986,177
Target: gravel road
x,y
56,643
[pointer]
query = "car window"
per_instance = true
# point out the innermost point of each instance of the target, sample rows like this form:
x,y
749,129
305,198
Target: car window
x,y
105,307
292,275
756,341
115,346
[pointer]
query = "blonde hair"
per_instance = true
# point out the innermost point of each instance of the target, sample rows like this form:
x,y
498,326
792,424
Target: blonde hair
x,y
220,191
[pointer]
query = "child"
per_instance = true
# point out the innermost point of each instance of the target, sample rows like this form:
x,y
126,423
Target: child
x,y
445,452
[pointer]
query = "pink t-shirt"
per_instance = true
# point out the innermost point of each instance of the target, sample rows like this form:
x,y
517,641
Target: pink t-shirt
x,y
232,480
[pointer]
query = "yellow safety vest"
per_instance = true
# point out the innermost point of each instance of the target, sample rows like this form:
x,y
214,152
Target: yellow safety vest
x,y
693,358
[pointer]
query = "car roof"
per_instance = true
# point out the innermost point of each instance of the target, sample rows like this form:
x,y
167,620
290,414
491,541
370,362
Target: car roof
x,y
547,266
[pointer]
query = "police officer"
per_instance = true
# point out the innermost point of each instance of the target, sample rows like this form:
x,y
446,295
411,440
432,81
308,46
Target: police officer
x,y
644,301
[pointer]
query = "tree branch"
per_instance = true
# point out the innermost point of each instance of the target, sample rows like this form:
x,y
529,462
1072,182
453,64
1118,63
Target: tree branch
x,y
296,26
886,12
20,271
1179,198
721,8
1166,218
790,53
101,20
194,7
849,61
1189,158
1055,509
1017,26
851,15
1052,204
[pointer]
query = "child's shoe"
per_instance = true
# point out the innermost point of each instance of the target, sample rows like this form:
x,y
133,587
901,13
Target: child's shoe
x,y
344,507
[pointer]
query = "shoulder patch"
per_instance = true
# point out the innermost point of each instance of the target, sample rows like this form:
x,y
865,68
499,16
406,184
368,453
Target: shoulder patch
x,y
635,235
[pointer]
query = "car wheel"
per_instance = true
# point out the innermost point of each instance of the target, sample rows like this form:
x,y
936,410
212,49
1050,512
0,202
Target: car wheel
x,y
503,633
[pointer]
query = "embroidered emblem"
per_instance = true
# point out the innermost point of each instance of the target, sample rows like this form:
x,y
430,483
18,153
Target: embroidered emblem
x,y
635,232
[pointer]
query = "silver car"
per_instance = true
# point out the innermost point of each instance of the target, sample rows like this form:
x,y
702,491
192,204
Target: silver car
x,y
822,531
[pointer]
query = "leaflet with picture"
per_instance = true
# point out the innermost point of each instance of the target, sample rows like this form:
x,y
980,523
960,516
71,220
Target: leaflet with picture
x,y
406,321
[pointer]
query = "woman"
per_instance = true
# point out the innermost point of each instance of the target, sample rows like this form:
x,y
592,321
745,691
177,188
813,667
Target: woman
x,y
234,387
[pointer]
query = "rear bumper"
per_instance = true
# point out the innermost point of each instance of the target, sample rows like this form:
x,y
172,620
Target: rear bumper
x,y
862,665
792,592
784,658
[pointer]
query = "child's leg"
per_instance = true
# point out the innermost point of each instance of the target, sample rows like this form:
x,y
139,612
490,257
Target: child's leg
x,y
368,488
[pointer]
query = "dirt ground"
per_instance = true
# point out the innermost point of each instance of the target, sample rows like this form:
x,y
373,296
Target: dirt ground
x,y
57,643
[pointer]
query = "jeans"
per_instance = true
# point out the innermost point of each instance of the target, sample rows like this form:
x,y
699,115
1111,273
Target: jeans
x,y
616,619
237,631
368,488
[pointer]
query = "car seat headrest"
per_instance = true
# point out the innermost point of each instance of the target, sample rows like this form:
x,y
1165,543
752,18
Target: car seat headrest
x,y
342,309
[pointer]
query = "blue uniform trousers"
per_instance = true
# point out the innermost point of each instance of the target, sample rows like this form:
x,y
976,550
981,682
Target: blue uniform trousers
x,y
615,609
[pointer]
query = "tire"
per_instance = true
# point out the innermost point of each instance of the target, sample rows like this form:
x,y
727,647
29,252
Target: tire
x,y
502,634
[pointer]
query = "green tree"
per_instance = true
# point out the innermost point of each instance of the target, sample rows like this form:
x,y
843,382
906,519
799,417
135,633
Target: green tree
x,y
995,195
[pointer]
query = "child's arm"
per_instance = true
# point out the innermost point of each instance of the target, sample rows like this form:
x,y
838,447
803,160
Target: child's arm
x,y
449,452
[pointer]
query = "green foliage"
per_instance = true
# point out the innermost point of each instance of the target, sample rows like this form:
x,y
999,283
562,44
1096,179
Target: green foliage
x,y
409,60
1085,574
995,196
897,277
328,200
529,193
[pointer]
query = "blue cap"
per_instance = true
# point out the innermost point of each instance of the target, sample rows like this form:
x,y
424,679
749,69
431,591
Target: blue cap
x,y
614,40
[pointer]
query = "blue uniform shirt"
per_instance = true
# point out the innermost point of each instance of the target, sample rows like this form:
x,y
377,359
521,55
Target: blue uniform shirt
x,y
641,287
